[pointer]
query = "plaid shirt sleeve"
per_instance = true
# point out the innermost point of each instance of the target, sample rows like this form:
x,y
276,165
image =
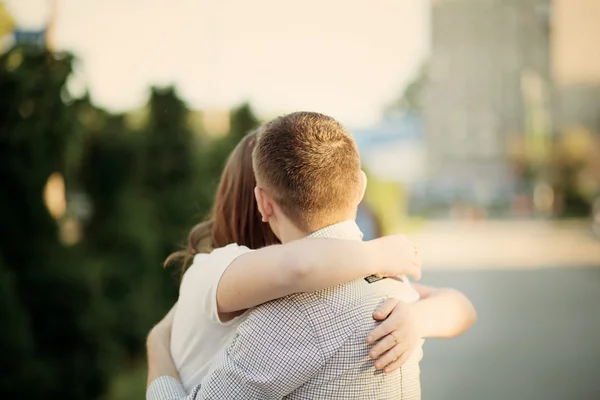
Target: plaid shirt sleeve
x,y
275,351
168,388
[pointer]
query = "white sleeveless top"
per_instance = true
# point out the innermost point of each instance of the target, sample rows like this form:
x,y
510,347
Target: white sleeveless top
x,y
198,334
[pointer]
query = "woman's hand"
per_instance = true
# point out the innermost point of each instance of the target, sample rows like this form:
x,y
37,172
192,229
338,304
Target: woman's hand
x,y
396,255
398,335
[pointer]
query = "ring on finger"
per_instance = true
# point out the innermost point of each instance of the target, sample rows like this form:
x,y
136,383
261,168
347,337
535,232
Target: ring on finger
x,y
393,334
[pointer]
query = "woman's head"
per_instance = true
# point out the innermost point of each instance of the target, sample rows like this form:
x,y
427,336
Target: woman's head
x,y
235,214
234,217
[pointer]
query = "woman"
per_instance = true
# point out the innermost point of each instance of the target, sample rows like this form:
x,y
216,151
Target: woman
x,y
217,289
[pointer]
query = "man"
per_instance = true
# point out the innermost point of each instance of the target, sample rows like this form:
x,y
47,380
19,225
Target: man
x,y
307,345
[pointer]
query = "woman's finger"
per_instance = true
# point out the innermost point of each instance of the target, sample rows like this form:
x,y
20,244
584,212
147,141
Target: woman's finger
x,y
399,362
392,355
415,270
380,331
384,345
385,309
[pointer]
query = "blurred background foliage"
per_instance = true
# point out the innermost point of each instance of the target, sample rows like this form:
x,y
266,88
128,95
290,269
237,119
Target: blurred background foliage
x,y
92,202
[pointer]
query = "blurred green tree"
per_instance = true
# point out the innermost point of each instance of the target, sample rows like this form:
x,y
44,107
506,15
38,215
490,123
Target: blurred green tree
x,y
242,120
170,165
51,333
143,186
75,312
120,236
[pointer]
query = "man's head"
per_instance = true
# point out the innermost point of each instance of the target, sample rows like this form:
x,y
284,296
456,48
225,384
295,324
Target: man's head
x,y
307,170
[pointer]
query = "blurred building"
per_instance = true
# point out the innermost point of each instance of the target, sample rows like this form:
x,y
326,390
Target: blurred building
x,y
576,64
576,106
394,150
488,73
393,155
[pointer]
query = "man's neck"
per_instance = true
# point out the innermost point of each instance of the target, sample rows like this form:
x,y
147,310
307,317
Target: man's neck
x,y
290,232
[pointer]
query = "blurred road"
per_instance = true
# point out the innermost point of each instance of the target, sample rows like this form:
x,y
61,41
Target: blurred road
x,y
537,337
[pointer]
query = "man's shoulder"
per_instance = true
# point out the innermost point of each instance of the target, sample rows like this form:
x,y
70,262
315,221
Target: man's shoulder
x,y
299,309
327,318
269,321
347,301
275,308
309,301
339,298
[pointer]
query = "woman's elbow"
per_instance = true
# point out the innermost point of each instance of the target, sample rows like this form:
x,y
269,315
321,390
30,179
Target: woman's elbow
x,y
468,313
297,276
471,316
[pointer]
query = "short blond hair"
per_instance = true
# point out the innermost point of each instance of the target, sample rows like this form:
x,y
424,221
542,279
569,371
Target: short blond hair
x,y
310,164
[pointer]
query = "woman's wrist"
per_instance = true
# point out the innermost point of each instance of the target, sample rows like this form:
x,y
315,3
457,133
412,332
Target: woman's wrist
x,y
374,258
419,318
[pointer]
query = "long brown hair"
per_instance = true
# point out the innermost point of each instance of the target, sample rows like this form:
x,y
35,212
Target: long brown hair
x,y
234,217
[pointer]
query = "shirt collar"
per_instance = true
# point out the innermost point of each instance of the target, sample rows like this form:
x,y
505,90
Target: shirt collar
x,y
347,230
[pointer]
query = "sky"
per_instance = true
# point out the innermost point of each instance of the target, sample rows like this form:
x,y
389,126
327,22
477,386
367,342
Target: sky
x,y
344,58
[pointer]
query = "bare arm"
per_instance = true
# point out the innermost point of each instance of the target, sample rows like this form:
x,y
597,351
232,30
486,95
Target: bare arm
x,y
444,312
311,264
160,362
441,313
164,382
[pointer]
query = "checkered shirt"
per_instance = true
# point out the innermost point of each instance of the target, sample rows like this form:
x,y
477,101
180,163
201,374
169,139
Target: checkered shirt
x,y
307,346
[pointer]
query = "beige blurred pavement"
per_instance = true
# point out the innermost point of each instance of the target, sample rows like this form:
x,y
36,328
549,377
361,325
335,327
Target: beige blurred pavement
x,y
506,244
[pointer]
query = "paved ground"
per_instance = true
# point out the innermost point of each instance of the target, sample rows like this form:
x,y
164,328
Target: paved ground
x,y
537,337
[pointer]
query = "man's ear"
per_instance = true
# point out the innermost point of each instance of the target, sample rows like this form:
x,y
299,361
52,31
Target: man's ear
x,y
264,202
362,185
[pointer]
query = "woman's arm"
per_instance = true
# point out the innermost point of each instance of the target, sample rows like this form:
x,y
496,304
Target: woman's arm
x,y
310,264
158,350
441,313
